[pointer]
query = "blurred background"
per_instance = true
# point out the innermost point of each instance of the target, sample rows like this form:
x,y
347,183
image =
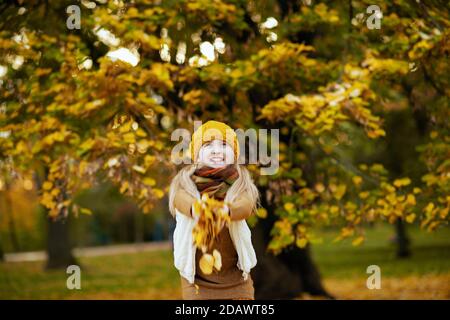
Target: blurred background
x,y
92,92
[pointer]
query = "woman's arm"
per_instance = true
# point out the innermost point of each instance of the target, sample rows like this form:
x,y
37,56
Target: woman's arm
x,y
242,207
183,202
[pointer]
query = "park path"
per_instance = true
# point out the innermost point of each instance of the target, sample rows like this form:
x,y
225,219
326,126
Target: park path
x,y
93,251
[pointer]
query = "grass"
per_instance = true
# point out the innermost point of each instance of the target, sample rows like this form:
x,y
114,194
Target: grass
x,y
430,254
148,275
424,275
151,275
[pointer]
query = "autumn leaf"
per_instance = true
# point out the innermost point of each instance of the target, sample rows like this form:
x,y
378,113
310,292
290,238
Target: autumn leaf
x,y
261,213
357,241
301,242
402,182
206,263
217,259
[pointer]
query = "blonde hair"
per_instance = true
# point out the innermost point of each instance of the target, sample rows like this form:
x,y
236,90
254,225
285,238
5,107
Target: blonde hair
x,y
244,182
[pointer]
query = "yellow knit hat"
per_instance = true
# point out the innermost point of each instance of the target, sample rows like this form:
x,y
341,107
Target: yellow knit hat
x,y
212,130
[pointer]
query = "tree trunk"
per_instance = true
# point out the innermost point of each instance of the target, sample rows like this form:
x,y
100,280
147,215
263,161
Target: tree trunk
x,y
138,226
400,125
11,222
284,276
59,248
293,271
2,254
403,250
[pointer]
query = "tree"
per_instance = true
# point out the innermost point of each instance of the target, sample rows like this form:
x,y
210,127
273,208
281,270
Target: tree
x,y
2,254
104,99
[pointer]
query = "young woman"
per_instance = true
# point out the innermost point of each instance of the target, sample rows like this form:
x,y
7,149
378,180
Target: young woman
x,y
214,150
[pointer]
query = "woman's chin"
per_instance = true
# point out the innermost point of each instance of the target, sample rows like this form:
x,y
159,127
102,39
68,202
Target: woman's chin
x,y
216,164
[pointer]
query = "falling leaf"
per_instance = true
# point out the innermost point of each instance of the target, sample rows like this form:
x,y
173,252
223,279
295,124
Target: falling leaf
x,y
217,259
206,263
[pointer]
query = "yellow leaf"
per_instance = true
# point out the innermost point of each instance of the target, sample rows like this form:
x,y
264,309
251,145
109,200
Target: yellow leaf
x,y
301,228
443,213
429,208
358,241
142,146
217,260
158,193
139,169
129,137
196,288
149,181
289,206
261,212
347,232
302,242
85,211
402,182
410,218
206,263
320,187
411,199
340,191
47,185
357,180
141,133
391,198
433,134
334,209
364,194
124,186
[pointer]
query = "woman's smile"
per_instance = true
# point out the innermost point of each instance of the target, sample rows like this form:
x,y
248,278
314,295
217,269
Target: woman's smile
x,y
217,159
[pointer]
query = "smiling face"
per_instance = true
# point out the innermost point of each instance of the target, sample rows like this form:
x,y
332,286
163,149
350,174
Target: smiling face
x,y
216,153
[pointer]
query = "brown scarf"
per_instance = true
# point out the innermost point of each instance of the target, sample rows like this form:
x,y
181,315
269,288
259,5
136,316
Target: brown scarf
x,y
215,181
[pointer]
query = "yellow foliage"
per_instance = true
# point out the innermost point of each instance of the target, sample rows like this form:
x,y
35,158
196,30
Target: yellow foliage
x,y
261,212
289,206
301,242
402,182
357,180
410,218
212,216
